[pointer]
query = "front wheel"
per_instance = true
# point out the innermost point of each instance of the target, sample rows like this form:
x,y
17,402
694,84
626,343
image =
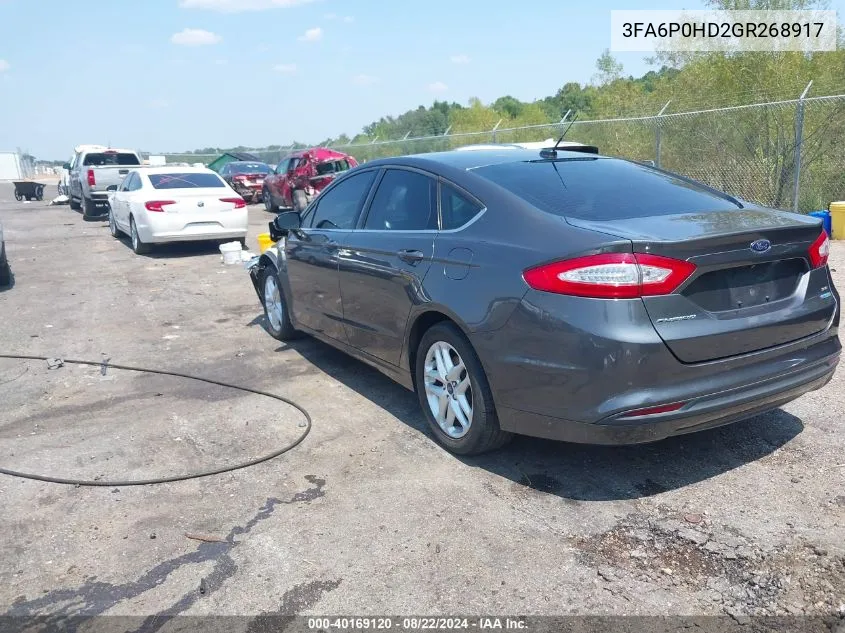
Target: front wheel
x,y
269,205
454,393
276,313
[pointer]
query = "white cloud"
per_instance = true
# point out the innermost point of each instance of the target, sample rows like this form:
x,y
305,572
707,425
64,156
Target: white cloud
x,y
460,59
287,69
312,35
4,65
364,80
438,86
240,6
158,104
348,19
195,37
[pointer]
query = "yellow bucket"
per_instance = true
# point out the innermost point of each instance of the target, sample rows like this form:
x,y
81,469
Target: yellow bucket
x,y
264,242
837,220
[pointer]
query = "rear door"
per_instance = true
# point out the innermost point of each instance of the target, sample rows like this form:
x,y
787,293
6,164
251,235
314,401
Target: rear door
x,y
311,255
384,261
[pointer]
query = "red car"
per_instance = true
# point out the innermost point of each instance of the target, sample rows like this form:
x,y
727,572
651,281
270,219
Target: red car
x,y
302,175
247,178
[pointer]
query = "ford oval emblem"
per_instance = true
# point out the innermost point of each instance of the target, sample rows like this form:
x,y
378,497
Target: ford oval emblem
x,y
760,246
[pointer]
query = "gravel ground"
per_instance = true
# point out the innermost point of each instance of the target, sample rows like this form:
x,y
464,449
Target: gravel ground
x,y
368,515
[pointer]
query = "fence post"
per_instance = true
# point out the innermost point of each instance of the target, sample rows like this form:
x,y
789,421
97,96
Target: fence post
x,y
658,133
493,131
799,138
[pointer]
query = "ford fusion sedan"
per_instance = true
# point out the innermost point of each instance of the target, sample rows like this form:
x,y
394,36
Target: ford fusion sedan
x,y
167,204
558,294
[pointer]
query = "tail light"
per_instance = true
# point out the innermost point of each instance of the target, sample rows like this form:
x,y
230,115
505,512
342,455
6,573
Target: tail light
x,y
238,202
91,180
820,250
157,205
611,276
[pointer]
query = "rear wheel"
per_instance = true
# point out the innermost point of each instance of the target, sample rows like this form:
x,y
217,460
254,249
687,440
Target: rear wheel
x,y
74,204
115,232
276,313
5,271
137,245
454,393
89,209
300,200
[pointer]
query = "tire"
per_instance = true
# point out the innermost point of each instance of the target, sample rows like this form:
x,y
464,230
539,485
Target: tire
x,y
276,315
18,196
138,247
74,204
463,432
115,232
39,193
89,209
269,205
300,200
5,270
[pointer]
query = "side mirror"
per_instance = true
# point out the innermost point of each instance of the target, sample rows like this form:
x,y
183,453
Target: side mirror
x,y
66,166
284,223
111,188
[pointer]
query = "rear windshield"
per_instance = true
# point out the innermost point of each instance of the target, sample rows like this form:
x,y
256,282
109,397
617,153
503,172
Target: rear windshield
x,y
110,158
249,168
185,181
603,189
332,167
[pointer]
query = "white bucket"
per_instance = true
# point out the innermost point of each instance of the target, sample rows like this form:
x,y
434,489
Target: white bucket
x,y
231,252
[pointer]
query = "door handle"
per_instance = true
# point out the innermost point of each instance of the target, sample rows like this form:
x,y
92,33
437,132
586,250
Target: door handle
x,y
411,256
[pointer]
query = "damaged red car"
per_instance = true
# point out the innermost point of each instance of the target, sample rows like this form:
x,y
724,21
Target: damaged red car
x,y
302,175
247,178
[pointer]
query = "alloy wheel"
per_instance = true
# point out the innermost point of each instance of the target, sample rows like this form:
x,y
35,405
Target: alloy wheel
x,y
448,389
273,302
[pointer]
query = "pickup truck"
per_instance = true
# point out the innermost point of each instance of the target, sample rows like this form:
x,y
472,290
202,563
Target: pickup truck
x,y
92,172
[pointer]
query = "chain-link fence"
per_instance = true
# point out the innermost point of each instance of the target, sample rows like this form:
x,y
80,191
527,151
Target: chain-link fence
x,y
750,151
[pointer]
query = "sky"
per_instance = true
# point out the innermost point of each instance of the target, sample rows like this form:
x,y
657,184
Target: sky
x,y
175,75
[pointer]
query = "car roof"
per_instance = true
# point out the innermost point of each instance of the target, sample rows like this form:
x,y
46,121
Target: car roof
x,y
320,153
175,169
467,160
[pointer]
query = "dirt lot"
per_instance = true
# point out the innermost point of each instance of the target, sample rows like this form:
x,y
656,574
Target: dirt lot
x,y
368,515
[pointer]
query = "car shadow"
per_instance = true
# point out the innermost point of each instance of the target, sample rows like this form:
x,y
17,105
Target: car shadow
x,y
176,250
579,472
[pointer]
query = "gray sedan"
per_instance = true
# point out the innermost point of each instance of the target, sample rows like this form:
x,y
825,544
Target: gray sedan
x,y
559,294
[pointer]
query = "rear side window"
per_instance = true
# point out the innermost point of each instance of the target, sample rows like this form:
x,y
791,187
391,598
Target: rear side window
x,y
405,201
455,208
184,181
110,158
332,167
338,207
602,189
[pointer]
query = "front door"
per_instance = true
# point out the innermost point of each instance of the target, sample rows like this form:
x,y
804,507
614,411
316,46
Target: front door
x,y
384,261
312,255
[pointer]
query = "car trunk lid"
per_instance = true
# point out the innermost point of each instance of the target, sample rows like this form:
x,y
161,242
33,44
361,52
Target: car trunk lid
x,y
740,298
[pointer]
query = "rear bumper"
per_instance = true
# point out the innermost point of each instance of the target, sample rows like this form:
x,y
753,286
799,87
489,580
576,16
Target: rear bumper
x,y
176,228
704,412
569,369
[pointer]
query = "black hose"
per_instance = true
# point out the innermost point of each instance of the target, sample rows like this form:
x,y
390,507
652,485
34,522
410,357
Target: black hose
x,y
163,480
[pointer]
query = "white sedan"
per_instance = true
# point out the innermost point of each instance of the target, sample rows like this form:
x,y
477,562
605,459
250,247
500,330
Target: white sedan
x,y
154,205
